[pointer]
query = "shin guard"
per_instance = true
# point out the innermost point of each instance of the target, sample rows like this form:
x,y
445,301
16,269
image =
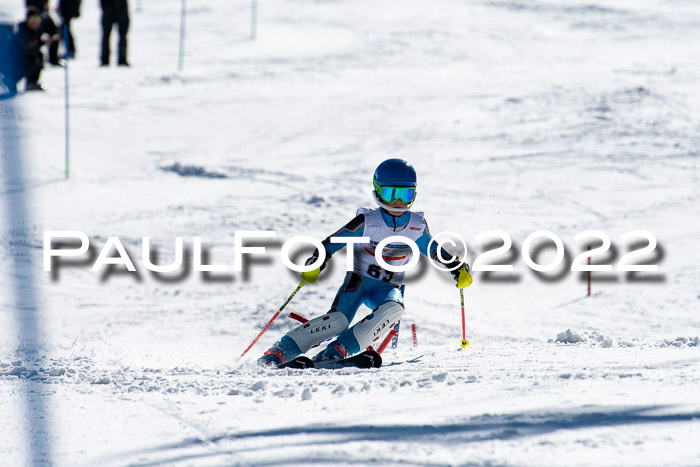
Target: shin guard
x,y
318,330
374,327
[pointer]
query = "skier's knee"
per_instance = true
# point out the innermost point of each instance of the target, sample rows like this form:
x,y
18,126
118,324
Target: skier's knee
x,y
318,330
370,330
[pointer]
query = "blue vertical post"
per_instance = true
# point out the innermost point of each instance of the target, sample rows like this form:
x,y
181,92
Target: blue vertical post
x,y
20,269
9,71
253,19
67,99
183,14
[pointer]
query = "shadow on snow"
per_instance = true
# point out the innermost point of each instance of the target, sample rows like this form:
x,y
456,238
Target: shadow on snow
x,y
483,428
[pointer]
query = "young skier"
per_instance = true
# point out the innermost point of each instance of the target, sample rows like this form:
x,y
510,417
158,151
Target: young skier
x,y
369,284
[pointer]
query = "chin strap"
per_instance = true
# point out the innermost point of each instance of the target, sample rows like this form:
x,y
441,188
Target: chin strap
x,y
386,206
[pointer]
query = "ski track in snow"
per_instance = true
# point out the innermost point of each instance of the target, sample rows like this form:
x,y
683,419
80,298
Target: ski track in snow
x,y
519,116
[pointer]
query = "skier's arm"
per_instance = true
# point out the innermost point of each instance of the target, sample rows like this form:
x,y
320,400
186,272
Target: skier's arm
x,y
354,228
426,240
461,272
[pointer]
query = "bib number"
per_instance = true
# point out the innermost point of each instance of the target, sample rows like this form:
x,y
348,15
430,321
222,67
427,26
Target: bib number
x,y
379,273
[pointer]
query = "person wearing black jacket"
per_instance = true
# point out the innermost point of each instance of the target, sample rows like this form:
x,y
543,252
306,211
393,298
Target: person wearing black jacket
x,y
114,11
48,27
68,10
27,42
41,5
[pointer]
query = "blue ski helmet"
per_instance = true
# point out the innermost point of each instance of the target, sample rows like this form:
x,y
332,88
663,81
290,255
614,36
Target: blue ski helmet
x,y
395,179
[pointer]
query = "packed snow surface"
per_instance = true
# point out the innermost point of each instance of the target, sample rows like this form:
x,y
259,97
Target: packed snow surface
x,y
565,116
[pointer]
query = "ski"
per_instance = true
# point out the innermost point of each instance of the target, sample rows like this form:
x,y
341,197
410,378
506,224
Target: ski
x,y
299,362
366,359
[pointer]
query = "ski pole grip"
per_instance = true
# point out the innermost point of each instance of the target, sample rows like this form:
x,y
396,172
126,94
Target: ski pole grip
x,y
298,317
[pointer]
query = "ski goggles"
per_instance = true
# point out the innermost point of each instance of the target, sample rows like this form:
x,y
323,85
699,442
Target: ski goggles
x,y
389,194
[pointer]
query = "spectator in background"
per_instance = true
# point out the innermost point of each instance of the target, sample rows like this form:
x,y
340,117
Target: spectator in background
x,y
68,9
48,27
28,41
114,11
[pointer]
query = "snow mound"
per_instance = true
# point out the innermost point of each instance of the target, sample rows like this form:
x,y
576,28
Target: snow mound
x,y
572,337
191,171
596,338
681,342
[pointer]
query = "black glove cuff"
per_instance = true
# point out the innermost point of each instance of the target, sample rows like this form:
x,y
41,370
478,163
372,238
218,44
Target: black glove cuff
x,y
314,257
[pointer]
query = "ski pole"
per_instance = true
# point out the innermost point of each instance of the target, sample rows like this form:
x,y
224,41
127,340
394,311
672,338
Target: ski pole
x,y
301,284
388,338
589,273
66,38
465,342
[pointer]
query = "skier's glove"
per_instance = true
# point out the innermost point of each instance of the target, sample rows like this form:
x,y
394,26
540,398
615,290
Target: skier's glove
x,y
311,276
462,276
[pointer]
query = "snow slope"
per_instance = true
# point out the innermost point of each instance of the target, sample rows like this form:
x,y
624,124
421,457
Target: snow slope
x,y
518,116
